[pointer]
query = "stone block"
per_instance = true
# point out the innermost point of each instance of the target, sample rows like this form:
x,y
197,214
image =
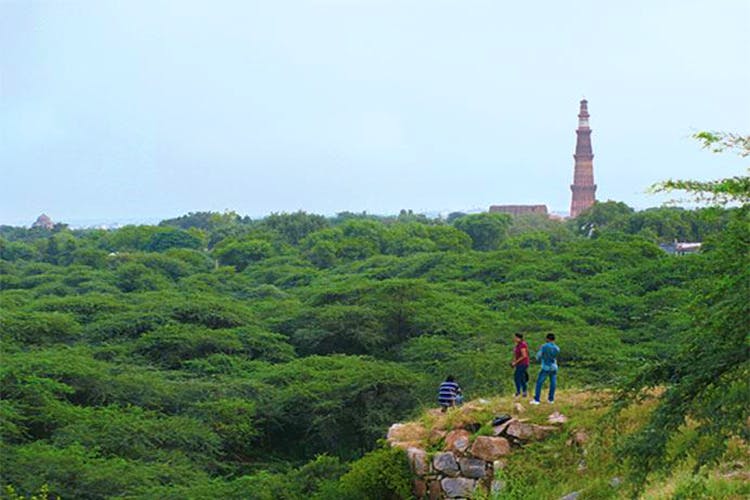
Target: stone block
x,y
520,430
458,487
489,448
446,463
434,490
527,432
499,429
472,467
419,488
457,441
418,461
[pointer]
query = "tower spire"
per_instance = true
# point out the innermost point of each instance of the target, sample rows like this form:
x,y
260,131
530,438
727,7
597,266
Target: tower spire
x,y
583,187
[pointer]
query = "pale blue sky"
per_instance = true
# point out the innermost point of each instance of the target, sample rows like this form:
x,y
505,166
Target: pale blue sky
x,y
123,110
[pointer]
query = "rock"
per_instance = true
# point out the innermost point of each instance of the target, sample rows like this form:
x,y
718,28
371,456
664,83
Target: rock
x,y
446,463
393,432
436,435
499,429
557,418
457,440
542,431
582,466
580,437
525,432
473,426
419,488
472,467
571,496
457,487
499,464
418,461
497,486
490,448
520,430
615,482
518,407
434,490
501,419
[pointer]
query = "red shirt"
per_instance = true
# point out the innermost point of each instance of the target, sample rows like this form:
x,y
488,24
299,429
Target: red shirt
x,y
518,354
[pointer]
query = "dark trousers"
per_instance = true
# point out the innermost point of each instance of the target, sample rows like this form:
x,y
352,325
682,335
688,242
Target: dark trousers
x,y
521,378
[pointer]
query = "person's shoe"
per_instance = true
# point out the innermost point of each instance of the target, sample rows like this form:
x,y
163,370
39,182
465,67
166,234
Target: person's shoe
x,y
534,402
551,402
515,396
525,395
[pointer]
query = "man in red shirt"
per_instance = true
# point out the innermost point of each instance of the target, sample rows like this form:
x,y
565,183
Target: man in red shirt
x,y
521,363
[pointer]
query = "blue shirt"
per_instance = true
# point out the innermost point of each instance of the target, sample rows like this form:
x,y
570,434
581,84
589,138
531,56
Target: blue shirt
x,y
548,356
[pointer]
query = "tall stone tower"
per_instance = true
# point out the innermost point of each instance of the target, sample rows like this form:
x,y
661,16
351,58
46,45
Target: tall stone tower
x,y
583,186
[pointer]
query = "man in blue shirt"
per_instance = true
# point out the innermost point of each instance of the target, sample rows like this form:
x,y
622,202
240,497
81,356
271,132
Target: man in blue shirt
x,y
548,356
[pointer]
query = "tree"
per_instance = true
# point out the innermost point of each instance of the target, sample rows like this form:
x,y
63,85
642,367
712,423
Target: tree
x,y
722,191
707,380
241,254
486,230
175,238
294,227
600,215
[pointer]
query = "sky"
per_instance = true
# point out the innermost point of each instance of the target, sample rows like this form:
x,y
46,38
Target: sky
x,y
142,110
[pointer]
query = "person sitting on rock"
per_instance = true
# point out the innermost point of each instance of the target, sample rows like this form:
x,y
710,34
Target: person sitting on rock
x,y
449,393
548,356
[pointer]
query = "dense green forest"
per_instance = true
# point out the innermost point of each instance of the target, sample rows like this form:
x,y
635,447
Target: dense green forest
x,y
214,356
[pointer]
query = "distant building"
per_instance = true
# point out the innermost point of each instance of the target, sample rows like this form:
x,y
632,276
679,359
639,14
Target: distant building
x,y
44,222
583,187
519,209
681,248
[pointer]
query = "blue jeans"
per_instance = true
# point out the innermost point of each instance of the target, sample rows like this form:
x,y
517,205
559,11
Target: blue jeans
x,y
540,382
521,378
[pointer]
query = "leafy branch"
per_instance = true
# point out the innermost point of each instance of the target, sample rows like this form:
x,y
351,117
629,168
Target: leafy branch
x,y
718,192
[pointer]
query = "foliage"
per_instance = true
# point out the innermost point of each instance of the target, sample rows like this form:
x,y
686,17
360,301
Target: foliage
x,y
707,379
383,473
733,189
213,356
486,230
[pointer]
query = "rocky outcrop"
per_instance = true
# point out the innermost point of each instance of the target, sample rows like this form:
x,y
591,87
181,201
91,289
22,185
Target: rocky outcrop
x,y
464,463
